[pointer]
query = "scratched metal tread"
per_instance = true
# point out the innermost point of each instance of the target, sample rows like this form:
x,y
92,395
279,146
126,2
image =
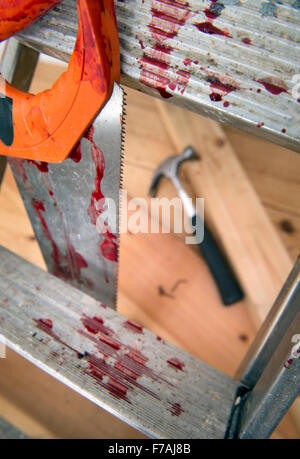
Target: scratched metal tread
x,y
184,399
264,43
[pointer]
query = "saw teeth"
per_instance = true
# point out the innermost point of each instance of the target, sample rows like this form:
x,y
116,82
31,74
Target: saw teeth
x,y
122,151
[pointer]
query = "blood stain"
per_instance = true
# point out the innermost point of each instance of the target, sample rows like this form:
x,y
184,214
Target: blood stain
x,y
247,41
215,97
133,327
108,247
76,154
187,61
42,166
65,266
176,409
174,362
96,325
273,85
209,28
167,19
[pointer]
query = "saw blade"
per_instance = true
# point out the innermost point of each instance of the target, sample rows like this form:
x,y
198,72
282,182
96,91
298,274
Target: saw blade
x,y
74,205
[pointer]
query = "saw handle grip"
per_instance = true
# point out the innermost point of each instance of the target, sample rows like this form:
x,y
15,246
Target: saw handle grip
x,y
227,284
48,126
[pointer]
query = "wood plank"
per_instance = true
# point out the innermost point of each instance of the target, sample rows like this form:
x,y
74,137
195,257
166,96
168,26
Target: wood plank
x,y
274,171
288,228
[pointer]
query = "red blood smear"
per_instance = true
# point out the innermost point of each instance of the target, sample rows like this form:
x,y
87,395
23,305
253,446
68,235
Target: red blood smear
x,y
98,158
160,47
141,44
182,80
137,357
42,166
135,328
96,325
98,369
247,41
283,130
271,87
76,154
110,342
259,125
126,371
76,260
116,388
176,363
209,28
158,338
176,409
108,247
215,97
167,19
66,266
216,83
164,94
226,104
187,61
46,325
154,61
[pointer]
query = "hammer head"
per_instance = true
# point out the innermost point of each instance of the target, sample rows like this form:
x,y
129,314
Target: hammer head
x,y
169,168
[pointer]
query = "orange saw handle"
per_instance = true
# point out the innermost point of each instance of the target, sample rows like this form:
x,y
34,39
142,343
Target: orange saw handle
x,y
15,15
48,126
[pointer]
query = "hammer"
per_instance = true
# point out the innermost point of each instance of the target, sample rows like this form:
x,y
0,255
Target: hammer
x,y
228,286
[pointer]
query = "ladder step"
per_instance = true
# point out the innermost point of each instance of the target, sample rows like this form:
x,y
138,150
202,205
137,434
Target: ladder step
x,y
235,62
148,383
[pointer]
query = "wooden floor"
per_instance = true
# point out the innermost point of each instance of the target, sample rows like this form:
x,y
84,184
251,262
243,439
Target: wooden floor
x,y
164,284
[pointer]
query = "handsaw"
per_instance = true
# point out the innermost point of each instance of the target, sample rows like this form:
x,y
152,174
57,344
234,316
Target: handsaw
x,y
72,167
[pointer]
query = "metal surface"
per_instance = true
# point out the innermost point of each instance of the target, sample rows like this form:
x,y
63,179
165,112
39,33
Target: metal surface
x,y
233,61
169,168
280,318
272,366
127,370
63,200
